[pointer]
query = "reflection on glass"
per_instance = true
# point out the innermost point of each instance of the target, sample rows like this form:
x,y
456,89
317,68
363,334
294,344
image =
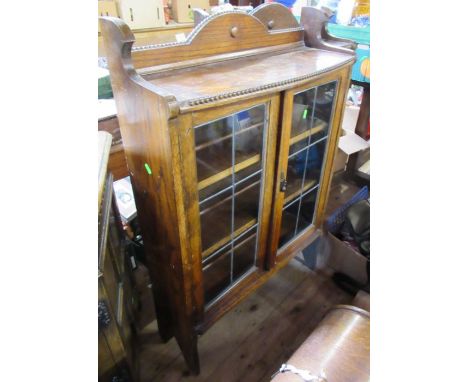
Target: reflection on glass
x,y
315,158
298,146
303,113
217,275
247,204
288,223
249,140
215,219
295,174
213,146
312,111
244,254
324,101
229,156
306,212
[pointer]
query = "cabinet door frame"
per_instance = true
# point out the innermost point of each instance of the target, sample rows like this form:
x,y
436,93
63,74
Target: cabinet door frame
x,y
307,236
186,134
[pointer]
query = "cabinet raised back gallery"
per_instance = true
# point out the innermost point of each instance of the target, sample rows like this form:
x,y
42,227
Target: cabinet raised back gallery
x,y
229,139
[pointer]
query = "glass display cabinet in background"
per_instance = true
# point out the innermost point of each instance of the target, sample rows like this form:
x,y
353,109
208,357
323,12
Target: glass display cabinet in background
x,y
229,139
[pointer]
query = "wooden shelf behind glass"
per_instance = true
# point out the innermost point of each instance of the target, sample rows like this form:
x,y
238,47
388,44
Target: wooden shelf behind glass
x,y
246,215
318,128
249,161
298,190
228,136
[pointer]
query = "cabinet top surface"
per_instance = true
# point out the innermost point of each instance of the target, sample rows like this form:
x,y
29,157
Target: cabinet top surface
x,y
243,76
228,57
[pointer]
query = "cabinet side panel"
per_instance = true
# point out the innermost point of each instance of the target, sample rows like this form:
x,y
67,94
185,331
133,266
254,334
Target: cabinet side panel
x,y
186,192
143,117
147,150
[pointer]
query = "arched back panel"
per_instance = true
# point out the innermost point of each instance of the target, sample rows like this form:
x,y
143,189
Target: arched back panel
x,y
275,16
220,33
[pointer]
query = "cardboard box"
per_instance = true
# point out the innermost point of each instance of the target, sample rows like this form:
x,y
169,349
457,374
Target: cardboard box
x,y
142,14
363,157
341,159
182,10
350,143
342,258
107,8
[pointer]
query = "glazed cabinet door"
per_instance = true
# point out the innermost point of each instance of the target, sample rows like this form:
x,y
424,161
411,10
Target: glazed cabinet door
x,y
234,156
307,120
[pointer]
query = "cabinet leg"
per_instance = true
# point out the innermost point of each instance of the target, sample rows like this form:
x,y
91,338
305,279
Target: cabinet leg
x,y
163,315
165,331
162,308
189,348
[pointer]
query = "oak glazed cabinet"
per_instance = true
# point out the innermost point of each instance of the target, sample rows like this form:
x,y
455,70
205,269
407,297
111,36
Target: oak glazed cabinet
x,y
229,139
116,304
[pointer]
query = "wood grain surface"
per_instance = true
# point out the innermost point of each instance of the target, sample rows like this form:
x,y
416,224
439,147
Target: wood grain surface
x,y
217,34
247,75
230,61
338,349
252,341
275,16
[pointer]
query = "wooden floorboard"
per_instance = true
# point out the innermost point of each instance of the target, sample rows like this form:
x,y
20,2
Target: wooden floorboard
x,y
250,342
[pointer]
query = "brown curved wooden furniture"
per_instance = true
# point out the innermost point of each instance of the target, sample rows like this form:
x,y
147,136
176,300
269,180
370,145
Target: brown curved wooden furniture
x,y
217,132
275,16
315,22
337,350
